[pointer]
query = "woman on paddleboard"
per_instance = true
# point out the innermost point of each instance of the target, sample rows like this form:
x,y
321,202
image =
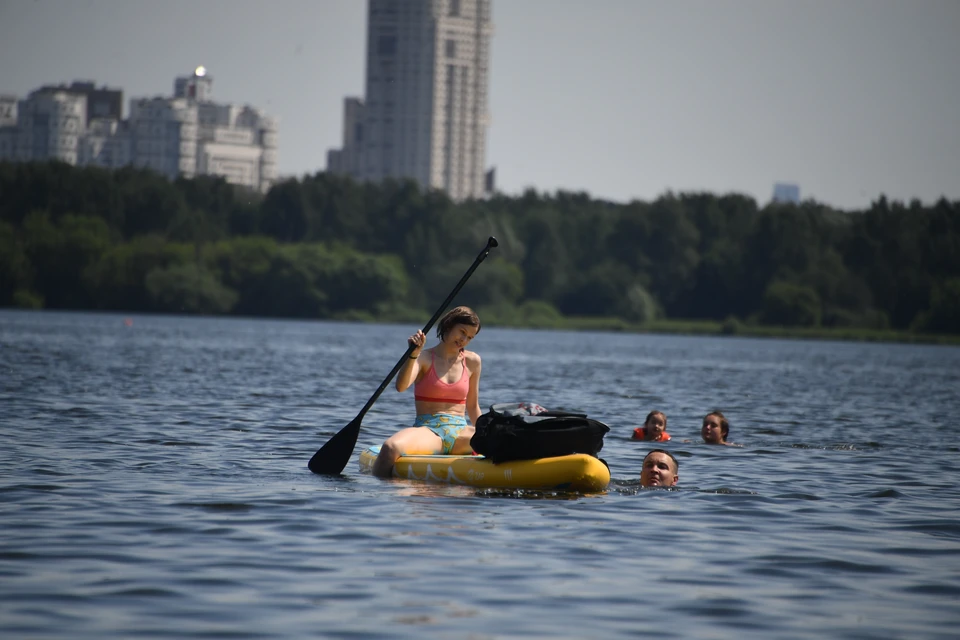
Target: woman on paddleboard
x,y
446,387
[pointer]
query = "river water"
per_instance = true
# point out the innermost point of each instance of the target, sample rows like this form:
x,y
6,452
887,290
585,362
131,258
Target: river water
x,y
153,484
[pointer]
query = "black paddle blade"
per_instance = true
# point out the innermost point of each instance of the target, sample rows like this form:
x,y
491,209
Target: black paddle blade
x,y
332,457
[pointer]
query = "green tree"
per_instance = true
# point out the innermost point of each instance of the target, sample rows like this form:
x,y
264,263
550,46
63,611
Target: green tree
x,y
719,284
539,313
630,237
285,213
84,241
393,207
336,211
58,189
673,250
219,204
547,266
60,253
117,281
638,305
288,288
497,283
15,269
886,247
188,288
363,282
150,202
242,264
598,292
722,287
788,304
943,316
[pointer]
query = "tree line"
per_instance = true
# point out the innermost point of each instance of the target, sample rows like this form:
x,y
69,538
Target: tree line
x,y
323,246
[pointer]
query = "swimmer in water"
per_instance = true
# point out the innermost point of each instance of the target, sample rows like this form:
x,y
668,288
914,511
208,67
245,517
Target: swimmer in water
x,y
659,469
654,428
716,429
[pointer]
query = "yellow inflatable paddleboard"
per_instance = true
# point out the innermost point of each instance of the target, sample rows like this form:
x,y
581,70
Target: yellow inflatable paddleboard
x,y
575,472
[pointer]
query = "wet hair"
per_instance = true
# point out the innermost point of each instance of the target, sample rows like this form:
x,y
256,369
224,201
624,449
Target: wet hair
x,y
676,464
656,413
457,315
724,424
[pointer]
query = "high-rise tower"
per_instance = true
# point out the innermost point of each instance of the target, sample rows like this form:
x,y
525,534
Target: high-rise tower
x,y
425,111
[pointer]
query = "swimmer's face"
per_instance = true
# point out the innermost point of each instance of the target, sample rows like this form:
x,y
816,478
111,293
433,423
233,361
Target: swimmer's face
x,y
712,431
658,471
656,425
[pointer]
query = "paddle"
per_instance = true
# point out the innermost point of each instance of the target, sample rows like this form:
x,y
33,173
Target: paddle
x,y
332,457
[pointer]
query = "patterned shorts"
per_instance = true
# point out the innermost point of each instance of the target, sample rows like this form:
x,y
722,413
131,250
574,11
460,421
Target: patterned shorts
x,y
447,426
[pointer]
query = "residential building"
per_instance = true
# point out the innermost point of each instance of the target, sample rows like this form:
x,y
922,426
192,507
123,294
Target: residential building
x,y
424,114
184,135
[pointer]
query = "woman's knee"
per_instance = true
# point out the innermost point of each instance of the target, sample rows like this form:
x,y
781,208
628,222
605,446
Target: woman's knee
x,y
391,449
383,465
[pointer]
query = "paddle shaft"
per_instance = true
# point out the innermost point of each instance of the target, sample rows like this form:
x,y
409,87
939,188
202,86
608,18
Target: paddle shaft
x,y
492,242
332,457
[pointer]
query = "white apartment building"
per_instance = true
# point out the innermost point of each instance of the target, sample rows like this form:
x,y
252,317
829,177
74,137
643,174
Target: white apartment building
x,y
185,135
48,125
425,110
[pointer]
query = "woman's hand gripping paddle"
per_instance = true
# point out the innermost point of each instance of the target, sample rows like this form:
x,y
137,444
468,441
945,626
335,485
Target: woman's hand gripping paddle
x,y
332,457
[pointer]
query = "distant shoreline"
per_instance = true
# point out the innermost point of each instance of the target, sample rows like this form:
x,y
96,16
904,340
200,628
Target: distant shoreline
x,y
608,325
728,328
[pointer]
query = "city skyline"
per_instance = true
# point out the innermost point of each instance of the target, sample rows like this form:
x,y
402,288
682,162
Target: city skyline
x,y
620,99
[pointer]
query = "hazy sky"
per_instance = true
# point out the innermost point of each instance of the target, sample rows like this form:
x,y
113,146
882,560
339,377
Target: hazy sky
x,y
623,99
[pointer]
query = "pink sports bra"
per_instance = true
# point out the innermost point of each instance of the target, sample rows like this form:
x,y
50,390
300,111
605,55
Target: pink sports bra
x,y
430,388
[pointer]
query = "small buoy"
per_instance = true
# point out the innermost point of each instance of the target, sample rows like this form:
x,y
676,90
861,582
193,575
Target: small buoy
x,y
128,322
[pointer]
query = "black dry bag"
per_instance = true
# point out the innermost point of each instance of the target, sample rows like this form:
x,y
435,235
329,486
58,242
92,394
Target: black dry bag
x,y
527,431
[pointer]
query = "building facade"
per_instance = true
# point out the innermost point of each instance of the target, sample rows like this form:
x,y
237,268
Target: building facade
x,y
184,135
786,192
424,115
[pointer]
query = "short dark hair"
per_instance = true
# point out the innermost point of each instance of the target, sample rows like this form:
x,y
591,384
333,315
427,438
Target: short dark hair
x,y
457,315
676,463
